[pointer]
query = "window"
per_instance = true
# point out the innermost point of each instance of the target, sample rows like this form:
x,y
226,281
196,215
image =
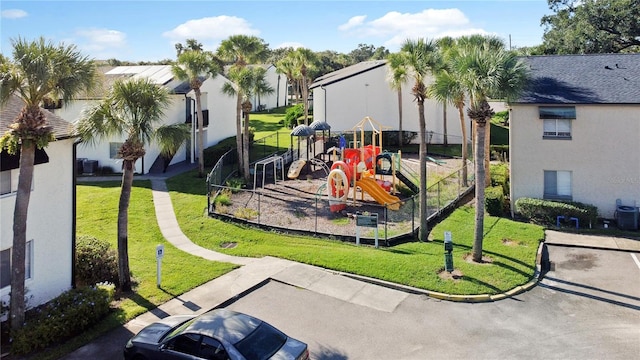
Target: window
x,y
114,147
557,185
212,349
557,121
205,118
5,265
5,182
185,343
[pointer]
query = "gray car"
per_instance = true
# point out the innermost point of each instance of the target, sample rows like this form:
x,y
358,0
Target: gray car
x,y
219,334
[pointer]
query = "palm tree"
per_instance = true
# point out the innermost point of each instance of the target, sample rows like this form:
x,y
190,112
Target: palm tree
x,y
305,62
421,60
286,66
131,109
447,87
486,71
248,82
397,76
241,50
39,71
197,66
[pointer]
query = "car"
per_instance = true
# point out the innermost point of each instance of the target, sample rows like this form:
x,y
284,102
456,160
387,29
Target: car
x,y
219,334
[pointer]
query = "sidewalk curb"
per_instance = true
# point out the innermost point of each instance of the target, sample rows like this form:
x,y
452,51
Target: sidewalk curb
x,y
537,276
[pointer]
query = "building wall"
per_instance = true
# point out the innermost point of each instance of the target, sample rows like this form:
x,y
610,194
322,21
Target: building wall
x,y
49,224
279,96
344,103
602,155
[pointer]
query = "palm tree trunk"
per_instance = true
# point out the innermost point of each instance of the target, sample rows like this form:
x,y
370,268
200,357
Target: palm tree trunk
x,y
200,133
487,154
123,226
400,137
444,123
463,128
17,306
245,148
423,232
479,191
305,98
239,130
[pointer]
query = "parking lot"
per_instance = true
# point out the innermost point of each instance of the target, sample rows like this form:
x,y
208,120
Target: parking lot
x,y
587,306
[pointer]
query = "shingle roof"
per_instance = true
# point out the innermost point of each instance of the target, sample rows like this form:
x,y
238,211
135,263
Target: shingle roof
x,y
347,72
583,79
11,109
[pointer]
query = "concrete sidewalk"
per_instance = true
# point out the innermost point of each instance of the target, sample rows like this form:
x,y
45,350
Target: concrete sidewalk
x,y
255,272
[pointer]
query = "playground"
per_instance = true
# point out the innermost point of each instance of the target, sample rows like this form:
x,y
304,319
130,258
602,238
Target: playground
x,y
323,189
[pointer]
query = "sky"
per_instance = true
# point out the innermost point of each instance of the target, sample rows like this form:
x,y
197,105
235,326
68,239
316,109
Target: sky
x,y
145,30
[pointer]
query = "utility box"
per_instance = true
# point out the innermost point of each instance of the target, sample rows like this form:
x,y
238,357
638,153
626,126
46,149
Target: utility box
x,y
89,166
627,217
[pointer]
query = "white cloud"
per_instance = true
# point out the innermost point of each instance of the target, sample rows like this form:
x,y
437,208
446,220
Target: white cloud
x,y
294,45
211,28
353,22
101,43
13,14
395,27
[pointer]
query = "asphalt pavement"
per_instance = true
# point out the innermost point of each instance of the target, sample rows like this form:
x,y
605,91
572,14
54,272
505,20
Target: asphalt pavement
x,y
255,273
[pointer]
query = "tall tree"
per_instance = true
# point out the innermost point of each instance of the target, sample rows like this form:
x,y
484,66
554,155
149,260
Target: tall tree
x,y
39,70
248,82
398,74
197,66
592,26
240,51
486,72
189,45
132,109
305,63
421,58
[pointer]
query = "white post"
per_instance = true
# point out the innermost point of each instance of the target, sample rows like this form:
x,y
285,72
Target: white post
x,y
159,255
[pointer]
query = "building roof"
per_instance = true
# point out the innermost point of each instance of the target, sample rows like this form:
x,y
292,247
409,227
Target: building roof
x,y
583,79
347,72
11,109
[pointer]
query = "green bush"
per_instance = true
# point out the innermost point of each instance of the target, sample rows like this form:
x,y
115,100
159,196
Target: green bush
x,y
292,115
494,200
63,317
214,153
500,177
547,211
95,261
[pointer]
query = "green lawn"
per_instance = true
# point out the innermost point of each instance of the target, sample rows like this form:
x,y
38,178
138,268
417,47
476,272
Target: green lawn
x,y
512,247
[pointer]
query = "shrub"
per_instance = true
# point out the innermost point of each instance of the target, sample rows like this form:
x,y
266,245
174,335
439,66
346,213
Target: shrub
x,y
214,153
292,115
494,200
235,184
63,317
547,211
95,261
500,177
223,198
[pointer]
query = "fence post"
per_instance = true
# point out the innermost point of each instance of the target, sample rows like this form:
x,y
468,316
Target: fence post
x,y
316,227
259,196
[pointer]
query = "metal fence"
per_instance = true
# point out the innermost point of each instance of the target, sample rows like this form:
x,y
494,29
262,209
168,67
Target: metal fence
x,y
305,208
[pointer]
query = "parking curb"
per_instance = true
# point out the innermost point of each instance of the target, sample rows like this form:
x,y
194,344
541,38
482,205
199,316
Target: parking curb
x,y
479,298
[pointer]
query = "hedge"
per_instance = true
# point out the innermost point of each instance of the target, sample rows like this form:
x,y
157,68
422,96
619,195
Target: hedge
x,y
547,211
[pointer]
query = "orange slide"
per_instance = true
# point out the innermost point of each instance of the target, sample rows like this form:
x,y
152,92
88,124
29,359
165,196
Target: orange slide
x,y
378,193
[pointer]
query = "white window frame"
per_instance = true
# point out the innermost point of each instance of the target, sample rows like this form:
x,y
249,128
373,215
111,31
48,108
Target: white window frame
x,y
114,147
28,263
557,121
558,185
11,176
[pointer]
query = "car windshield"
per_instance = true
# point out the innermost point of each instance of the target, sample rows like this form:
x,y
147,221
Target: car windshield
x,y
262,343
178,329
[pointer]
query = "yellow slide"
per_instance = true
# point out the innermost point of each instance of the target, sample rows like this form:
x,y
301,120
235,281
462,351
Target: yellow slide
x,y
294,169
378,193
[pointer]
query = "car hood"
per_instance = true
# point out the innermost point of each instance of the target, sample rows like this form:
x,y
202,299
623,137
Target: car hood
x,y
153,333
291,350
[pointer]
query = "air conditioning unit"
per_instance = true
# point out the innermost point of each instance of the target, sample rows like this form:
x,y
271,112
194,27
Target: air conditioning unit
x,y
627,217
89,166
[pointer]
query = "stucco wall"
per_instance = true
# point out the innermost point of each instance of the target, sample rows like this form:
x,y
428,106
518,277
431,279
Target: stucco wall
x,y
344,103
49,224
603,155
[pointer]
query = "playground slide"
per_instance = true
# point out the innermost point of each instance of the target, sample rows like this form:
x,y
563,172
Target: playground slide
x,y
378,193
295,168
407,181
